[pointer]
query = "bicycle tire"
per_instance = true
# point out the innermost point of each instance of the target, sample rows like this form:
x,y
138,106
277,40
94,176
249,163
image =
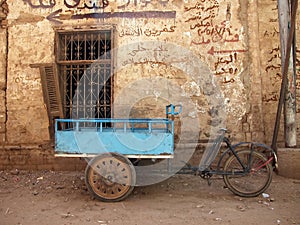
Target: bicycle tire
x,y
253,182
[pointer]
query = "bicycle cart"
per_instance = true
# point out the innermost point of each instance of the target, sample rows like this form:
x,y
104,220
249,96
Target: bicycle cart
x,y
112,144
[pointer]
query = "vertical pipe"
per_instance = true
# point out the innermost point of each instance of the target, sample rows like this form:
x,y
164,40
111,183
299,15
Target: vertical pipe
x,y
286,43
290,97
284,10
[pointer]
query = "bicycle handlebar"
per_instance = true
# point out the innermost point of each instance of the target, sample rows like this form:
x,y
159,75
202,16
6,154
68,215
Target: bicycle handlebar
x,y
171,109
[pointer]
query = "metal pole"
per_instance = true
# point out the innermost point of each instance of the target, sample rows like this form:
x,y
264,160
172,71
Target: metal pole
x,y
290,127
287,51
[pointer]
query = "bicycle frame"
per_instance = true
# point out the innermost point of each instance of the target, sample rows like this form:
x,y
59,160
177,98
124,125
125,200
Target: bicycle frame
x,y
231,149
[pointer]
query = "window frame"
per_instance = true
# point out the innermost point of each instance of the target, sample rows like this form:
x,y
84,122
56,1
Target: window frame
x,y
61,63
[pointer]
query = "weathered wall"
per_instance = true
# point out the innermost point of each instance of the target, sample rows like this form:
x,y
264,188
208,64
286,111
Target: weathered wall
x,y
3,63
30,157
270,67
252,120
28,42
212,30
236,44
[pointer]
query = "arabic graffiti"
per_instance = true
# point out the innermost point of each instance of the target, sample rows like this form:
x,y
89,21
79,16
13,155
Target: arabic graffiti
x,y
201,19
68,3
3,13
40,3
272,97
206,27
152,55
273,67
146,55
226,65
297,79
212,51
83,5
93,4
271,33
298,85
139,31
201,5
298,63
143,3
57,15
94,9
274,62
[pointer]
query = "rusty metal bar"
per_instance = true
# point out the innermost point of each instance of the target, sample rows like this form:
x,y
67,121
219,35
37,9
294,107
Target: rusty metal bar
x,y
65,62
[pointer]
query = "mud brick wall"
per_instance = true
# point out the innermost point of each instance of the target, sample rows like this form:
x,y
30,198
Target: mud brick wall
x,y
270,66
221,57
3,66
26,157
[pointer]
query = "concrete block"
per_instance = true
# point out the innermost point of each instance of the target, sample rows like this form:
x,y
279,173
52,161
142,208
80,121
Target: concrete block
x,y
288,162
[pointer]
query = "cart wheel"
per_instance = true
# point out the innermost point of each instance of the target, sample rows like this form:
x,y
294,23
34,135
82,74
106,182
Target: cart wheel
x,y
110,177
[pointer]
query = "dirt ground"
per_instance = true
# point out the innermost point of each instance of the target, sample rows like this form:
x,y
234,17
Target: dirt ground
x,y
48,197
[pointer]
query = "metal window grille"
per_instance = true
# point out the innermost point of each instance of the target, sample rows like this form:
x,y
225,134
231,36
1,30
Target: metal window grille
x,y
85,64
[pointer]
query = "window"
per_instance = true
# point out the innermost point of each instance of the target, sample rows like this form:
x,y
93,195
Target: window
x,y
84,64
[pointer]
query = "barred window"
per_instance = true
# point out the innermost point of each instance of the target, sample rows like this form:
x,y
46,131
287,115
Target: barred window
x,y
84,61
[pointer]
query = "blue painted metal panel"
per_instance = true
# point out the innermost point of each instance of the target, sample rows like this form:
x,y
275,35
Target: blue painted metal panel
x,y
125,136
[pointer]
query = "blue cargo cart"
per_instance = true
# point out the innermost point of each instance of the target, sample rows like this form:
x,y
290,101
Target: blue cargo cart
x,y
111,145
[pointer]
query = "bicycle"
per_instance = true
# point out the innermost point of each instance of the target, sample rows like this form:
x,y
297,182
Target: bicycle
x,y
246,172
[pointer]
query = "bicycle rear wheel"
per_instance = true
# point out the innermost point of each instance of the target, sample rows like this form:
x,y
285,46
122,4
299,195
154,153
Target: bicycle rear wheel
x,y
249,183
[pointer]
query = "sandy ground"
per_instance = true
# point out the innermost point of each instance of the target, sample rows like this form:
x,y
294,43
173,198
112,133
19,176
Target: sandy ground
x,y
48,197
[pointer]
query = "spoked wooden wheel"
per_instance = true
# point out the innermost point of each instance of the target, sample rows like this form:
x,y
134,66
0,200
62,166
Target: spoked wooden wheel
x,y
110,177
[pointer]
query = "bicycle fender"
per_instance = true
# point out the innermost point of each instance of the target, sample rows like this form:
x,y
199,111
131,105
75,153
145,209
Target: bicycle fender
x,y
252,146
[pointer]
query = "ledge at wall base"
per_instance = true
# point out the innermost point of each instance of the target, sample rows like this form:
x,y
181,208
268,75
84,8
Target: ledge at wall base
x,y
289,162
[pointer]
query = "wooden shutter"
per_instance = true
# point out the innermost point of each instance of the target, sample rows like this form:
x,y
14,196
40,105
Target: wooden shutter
x,y
51,93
